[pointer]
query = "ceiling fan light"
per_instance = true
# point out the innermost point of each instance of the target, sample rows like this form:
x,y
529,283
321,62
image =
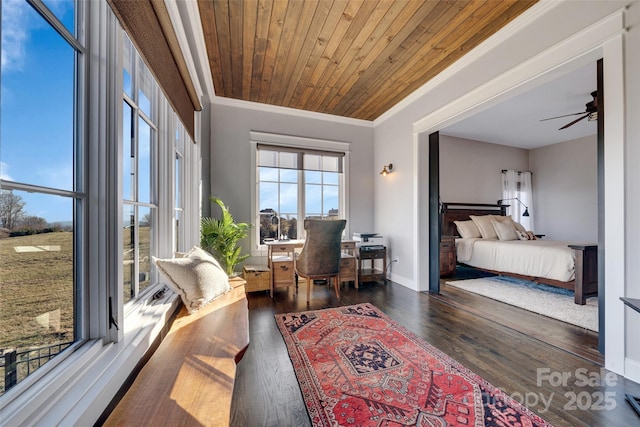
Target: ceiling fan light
x,y
593,116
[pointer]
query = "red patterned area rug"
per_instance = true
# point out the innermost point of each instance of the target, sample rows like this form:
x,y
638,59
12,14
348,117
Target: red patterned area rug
x,y
357,367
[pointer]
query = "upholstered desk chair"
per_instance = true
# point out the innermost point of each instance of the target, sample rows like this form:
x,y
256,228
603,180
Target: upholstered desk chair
x,y
320,255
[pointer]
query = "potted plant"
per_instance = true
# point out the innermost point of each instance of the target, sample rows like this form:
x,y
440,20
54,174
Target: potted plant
x,y
220,237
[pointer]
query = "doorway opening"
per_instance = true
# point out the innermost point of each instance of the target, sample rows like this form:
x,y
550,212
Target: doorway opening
x,y
435,200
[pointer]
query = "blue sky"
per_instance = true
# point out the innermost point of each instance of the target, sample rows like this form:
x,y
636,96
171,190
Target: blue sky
x,y
289,191
36,139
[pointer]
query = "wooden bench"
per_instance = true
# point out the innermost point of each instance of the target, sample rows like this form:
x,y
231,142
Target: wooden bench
x,y
189,379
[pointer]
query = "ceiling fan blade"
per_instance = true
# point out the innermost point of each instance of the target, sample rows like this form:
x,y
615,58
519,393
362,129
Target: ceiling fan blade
x,y
566,115
574,122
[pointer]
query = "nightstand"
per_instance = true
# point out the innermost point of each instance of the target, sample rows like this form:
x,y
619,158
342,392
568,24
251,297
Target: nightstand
x,y
372,253
447,256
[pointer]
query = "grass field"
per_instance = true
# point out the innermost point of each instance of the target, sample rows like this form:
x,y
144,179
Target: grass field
x,y
36,290
36,283
36,296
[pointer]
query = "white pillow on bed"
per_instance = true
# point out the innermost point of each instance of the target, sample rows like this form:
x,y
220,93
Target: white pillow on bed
x,y
483,222
505,230
467,229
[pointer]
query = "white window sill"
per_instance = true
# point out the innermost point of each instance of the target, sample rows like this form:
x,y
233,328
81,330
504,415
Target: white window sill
x,y
75,389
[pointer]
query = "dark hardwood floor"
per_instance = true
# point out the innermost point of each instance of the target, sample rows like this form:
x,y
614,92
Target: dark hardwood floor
x,y
517,351
579,341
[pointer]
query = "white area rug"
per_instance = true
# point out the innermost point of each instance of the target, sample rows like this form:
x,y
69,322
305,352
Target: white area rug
x,y
546,300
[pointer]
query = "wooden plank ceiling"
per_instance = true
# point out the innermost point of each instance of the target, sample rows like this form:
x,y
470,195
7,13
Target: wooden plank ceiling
x,y
352,58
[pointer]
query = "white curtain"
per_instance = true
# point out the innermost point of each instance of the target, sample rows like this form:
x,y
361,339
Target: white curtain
x,y
517,185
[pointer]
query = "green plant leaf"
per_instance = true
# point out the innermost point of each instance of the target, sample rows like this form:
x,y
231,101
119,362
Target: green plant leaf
x,y
221,236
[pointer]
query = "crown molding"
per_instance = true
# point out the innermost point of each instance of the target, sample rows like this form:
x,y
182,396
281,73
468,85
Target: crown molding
x,y
268,108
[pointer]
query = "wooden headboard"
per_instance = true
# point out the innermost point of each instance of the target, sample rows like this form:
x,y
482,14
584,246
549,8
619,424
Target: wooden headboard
x,y
461,211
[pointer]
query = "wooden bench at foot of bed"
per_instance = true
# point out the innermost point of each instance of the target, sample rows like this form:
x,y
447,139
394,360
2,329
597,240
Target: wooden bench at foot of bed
x,y
189,379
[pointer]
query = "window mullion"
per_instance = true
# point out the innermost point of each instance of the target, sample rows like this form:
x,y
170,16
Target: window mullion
x,y
301,201
55,23
136,253
321,194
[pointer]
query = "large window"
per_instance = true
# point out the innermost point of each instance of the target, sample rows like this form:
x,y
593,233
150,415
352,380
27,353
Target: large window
x,y
96,172
294,183
41,195
181,142
517,193
139,154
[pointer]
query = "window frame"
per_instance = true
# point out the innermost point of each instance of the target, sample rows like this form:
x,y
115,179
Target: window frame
x,y
157,142
78,195
181,145
303,144
80,381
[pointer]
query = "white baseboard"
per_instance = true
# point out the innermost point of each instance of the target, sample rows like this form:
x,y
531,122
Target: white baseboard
x,y
632,369
404,281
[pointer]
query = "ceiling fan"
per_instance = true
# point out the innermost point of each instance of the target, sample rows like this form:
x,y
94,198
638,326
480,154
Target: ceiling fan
x,y
591,112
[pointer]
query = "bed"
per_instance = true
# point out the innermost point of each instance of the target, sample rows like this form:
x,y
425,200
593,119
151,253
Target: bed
x,y
567,265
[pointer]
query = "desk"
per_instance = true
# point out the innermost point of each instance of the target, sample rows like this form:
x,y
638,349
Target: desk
x,y
281,258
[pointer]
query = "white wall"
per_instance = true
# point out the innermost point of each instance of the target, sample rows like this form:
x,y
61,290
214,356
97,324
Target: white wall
x,y
231,157
471,171
565,190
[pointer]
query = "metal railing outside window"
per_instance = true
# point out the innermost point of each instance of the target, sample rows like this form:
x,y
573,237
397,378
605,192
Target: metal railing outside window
x,y
17,365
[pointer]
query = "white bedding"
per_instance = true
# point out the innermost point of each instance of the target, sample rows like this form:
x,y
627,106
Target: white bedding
x,y
550,259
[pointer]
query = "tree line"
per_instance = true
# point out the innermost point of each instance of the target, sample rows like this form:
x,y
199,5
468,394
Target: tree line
x,y
15,221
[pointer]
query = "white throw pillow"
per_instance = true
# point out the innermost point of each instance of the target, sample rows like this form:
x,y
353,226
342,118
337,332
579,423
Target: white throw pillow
x,y
467,229
483,222
505,230
198,278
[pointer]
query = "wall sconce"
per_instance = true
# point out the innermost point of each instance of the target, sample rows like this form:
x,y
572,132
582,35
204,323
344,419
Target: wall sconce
x,y
526,209
387,169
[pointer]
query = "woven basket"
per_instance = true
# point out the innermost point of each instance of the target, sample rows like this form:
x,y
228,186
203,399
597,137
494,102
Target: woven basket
x,y
258,278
